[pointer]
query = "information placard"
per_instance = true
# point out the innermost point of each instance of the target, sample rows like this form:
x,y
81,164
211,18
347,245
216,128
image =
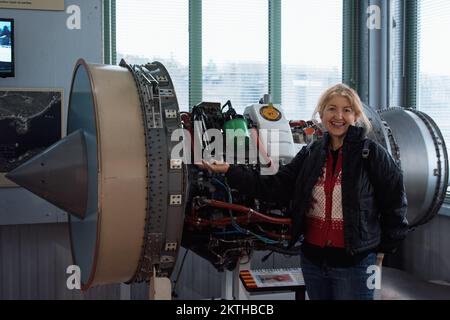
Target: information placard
x,y
54,5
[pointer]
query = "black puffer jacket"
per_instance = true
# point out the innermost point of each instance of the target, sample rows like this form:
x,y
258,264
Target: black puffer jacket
x,y
373,195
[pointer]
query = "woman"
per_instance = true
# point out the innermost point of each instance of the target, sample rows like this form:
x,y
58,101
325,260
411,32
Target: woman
x,y
348,206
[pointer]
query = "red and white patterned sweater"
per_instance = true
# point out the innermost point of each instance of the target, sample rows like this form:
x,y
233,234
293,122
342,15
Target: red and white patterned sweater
x,y
324,219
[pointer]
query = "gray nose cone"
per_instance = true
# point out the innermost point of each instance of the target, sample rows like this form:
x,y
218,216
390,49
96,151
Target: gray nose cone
x,y
58,175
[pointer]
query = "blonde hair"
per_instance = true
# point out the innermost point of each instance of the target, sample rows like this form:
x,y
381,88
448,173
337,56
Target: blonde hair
x,y
343,90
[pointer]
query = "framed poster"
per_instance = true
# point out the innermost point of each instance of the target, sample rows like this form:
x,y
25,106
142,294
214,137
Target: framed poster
x,y
57,5
30,122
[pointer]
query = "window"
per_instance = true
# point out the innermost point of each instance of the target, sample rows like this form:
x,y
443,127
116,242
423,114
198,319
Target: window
x,y
235,51
235,48
155,30
311,53
396,54
434,66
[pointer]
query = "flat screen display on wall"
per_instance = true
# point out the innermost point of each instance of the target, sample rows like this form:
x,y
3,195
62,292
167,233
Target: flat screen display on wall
x,y
6,48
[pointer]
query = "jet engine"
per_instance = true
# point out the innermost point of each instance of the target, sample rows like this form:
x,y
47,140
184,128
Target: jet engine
x,y
125,173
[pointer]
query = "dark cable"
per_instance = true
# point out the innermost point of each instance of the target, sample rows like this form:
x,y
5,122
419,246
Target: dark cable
x,y
175,282
291,252
266,257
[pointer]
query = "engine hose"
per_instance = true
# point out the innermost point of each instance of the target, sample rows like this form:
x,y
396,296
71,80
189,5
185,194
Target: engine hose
x,y
215,223
249,211
297,123
292,252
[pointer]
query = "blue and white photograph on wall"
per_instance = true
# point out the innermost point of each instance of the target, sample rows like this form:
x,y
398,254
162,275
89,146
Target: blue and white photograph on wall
x,y
30,121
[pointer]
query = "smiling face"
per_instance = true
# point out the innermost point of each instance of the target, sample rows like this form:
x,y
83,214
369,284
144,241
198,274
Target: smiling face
x,y
337,115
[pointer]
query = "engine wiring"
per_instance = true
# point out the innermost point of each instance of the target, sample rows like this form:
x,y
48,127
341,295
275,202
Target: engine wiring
x,y
232,223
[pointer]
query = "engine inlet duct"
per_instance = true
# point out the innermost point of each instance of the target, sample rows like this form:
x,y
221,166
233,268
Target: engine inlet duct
x,y
130,211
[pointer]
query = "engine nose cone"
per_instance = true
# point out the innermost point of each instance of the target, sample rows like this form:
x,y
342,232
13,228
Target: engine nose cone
x,y
58,175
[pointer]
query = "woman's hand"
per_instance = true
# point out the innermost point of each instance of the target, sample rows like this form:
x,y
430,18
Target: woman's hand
x,y
380,257
214,166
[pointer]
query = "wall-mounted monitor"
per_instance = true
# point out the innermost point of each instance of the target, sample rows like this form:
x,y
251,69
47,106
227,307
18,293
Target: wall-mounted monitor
x,y
6,48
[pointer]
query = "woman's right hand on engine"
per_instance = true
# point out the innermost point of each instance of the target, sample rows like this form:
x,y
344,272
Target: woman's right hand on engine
x,y
214,166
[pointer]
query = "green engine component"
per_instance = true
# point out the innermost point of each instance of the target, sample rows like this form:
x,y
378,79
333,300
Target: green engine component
x,y
237,132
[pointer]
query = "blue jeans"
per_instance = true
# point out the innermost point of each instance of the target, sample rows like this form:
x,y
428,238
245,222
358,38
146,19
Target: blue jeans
x,y
328,283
